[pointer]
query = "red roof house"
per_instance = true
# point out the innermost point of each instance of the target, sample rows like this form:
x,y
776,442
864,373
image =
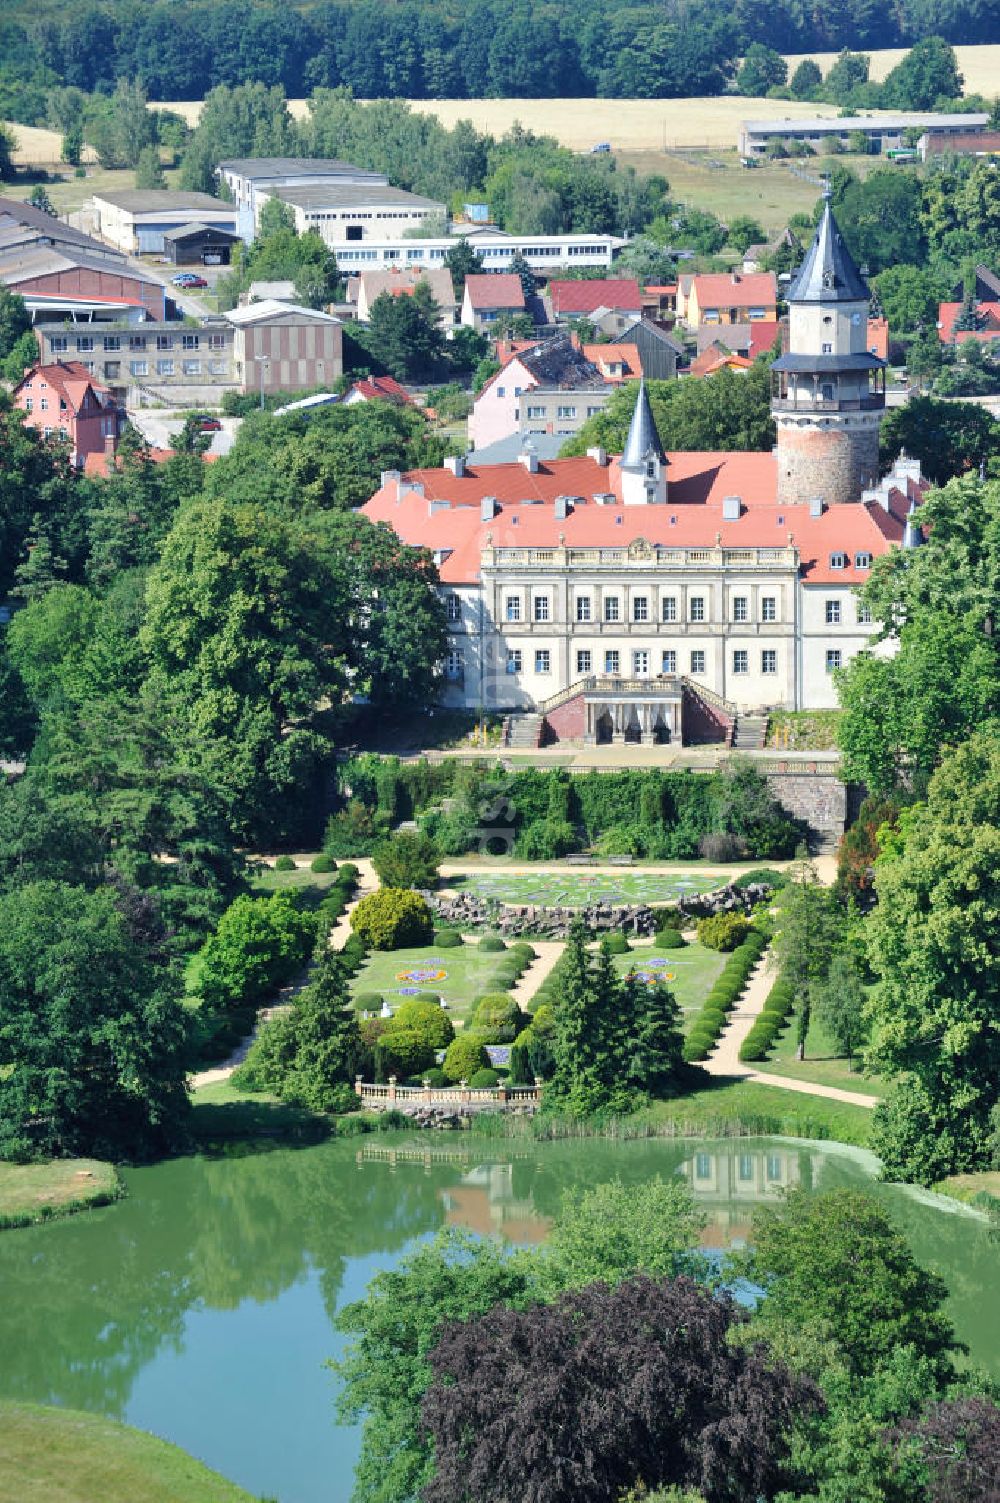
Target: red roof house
x,y
488,295
378,389
987,323
582,299
63,401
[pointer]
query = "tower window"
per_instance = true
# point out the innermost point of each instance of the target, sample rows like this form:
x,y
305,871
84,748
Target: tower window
x,y
650,470
828,349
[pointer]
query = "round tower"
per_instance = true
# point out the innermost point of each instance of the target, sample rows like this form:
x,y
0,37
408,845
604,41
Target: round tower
x,y
828,391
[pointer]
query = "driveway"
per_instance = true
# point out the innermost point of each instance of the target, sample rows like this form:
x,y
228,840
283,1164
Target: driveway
x,y
160,427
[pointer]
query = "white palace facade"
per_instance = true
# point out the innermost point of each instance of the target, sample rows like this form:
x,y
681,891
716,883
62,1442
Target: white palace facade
x,y
656,596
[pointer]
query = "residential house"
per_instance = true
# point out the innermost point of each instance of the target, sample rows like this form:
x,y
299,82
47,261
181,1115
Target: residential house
x,y
986,316
488,296
63,401
378,389
716,356
137,219
551,388
614,300
986,287
754,254
659,301
283,347
659,351
617,363
750,340
402,281
727,298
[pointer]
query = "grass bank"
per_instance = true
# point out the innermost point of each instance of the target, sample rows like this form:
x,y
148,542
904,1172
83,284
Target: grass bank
x,y
822,1064
981,1190
36,1192
726,1109
222,1112
65,1456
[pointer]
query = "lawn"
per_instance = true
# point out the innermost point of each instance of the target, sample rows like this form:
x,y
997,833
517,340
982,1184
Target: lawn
x,y
64,1456
756,1109
266,880
822,1064
571,888
35,1192
223,1111
459,976
689,973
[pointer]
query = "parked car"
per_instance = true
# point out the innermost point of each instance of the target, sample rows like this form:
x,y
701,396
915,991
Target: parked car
x,y
196,281
183,279
602,146
207,423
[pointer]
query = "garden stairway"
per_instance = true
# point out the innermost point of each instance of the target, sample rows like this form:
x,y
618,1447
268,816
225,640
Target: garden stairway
x,y
750,733
524,732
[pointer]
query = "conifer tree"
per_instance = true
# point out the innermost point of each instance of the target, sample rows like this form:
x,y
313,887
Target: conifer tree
x,y
659,1041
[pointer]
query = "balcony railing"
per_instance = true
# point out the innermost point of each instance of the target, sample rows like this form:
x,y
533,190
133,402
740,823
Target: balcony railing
x,y
809,404
504,560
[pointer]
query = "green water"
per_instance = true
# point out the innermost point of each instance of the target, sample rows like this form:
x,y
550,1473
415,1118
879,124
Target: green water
x,y
200,1308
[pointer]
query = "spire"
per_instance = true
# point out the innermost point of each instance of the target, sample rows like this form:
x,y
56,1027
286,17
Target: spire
x,y
912,536
829,273
643,440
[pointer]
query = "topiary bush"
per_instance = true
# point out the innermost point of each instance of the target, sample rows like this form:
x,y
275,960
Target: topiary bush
x,y
436,1078
728,988
426,1019
401,1052
497,1019
775,1013
525,953
483,1078
393,918
368,1001
447,939
491,944
464,1057
347,872
723,931
670,939
322,863
617,944
763,876
284,864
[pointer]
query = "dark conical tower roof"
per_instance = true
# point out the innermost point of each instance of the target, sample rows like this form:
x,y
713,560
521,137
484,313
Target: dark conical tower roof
x,y
643,438
829,273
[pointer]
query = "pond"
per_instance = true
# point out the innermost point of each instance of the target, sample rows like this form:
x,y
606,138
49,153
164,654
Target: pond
x,y
200,1308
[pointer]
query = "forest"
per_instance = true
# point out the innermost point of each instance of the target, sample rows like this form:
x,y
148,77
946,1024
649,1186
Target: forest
x,y
416,49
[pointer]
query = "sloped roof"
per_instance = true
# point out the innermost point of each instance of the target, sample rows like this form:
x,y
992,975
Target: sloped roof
x,y
273,167
197,228
829,273
71,380
643,437
151,200
403,280
735,289
382,388
15,215
716,355
497,290
555,363
587,297
625,354
692,516
988,317
268,308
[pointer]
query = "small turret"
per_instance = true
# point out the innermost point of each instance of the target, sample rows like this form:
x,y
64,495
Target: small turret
x,y
643,464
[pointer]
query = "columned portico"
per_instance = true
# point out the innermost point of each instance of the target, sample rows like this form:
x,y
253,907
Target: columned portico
x,y
637,711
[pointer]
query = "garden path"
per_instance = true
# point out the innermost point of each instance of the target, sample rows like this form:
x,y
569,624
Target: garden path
x,y
547,952
725,1057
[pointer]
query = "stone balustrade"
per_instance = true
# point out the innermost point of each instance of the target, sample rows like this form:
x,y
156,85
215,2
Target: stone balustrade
x,y
457,1100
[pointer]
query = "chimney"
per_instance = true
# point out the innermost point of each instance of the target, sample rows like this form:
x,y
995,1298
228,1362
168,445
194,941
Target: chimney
x,y
564,505
389,478
732,508
736,278
488,508
456,464
598,455
529,458
110,444
816,506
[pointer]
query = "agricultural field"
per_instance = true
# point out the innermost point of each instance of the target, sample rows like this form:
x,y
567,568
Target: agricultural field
x,y
575,889
690,973
458,976
979,66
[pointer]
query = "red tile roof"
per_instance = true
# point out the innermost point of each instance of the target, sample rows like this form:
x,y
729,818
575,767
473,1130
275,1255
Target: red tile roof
x,y
692,516
763,333
878,337
384,389
989,314
627,355
735,289
105,464
496,290
586,297
716,355
70,380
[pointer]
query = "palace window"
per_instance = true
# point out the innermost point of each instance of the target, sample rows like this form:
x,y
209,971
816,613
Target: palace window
x,y
670,607
584,662
668,662
612,662
454,666
612,608
768,608
697,662
543,661
541,608
864,615
741,608
640,664
833,659
769,661
512,608
833,613
514,660
697,606
741,661
453,608
583,607
640,608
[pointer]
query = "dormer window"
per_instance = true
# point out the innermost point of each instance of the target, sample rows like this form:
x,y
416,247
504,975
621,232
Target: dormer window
x,y
838,560
862,561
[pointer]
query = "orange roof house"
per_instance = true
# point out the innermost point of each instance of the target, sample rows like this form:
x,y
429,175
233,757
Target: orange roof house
x,y
488,295
987,323
727,298
616,362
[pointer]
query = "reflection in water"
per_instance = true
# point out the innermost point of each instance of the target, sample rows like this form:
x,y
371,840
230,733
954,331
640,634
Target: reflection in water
x,y
243,1260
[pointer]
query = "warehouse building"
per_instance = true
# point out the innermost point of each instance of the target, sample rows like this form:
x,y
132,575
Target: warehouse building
x,y
136,221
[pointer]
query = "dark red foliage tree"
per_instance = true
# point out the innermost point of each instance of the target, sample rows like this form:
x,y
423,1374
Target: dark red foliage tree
x,y
958,1441
575,1401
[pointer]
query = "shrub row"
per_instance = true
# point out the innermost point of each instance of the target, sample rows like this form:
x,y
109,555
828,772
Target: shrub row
x,y
723,931
728,988
779,1003
333,904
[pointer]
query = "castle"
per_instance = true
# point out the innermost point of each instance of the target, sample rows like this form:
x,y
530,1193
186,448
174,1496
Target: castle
x,y
654,596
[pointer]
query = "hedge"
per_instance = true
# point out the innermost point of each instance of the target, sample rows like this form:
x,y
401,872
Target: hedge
x,y
775,1013
763,876
393,918
464,1057
447,939
483,1078
729,986
670,939
322,863
284,864
491,944
723,931
616,943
